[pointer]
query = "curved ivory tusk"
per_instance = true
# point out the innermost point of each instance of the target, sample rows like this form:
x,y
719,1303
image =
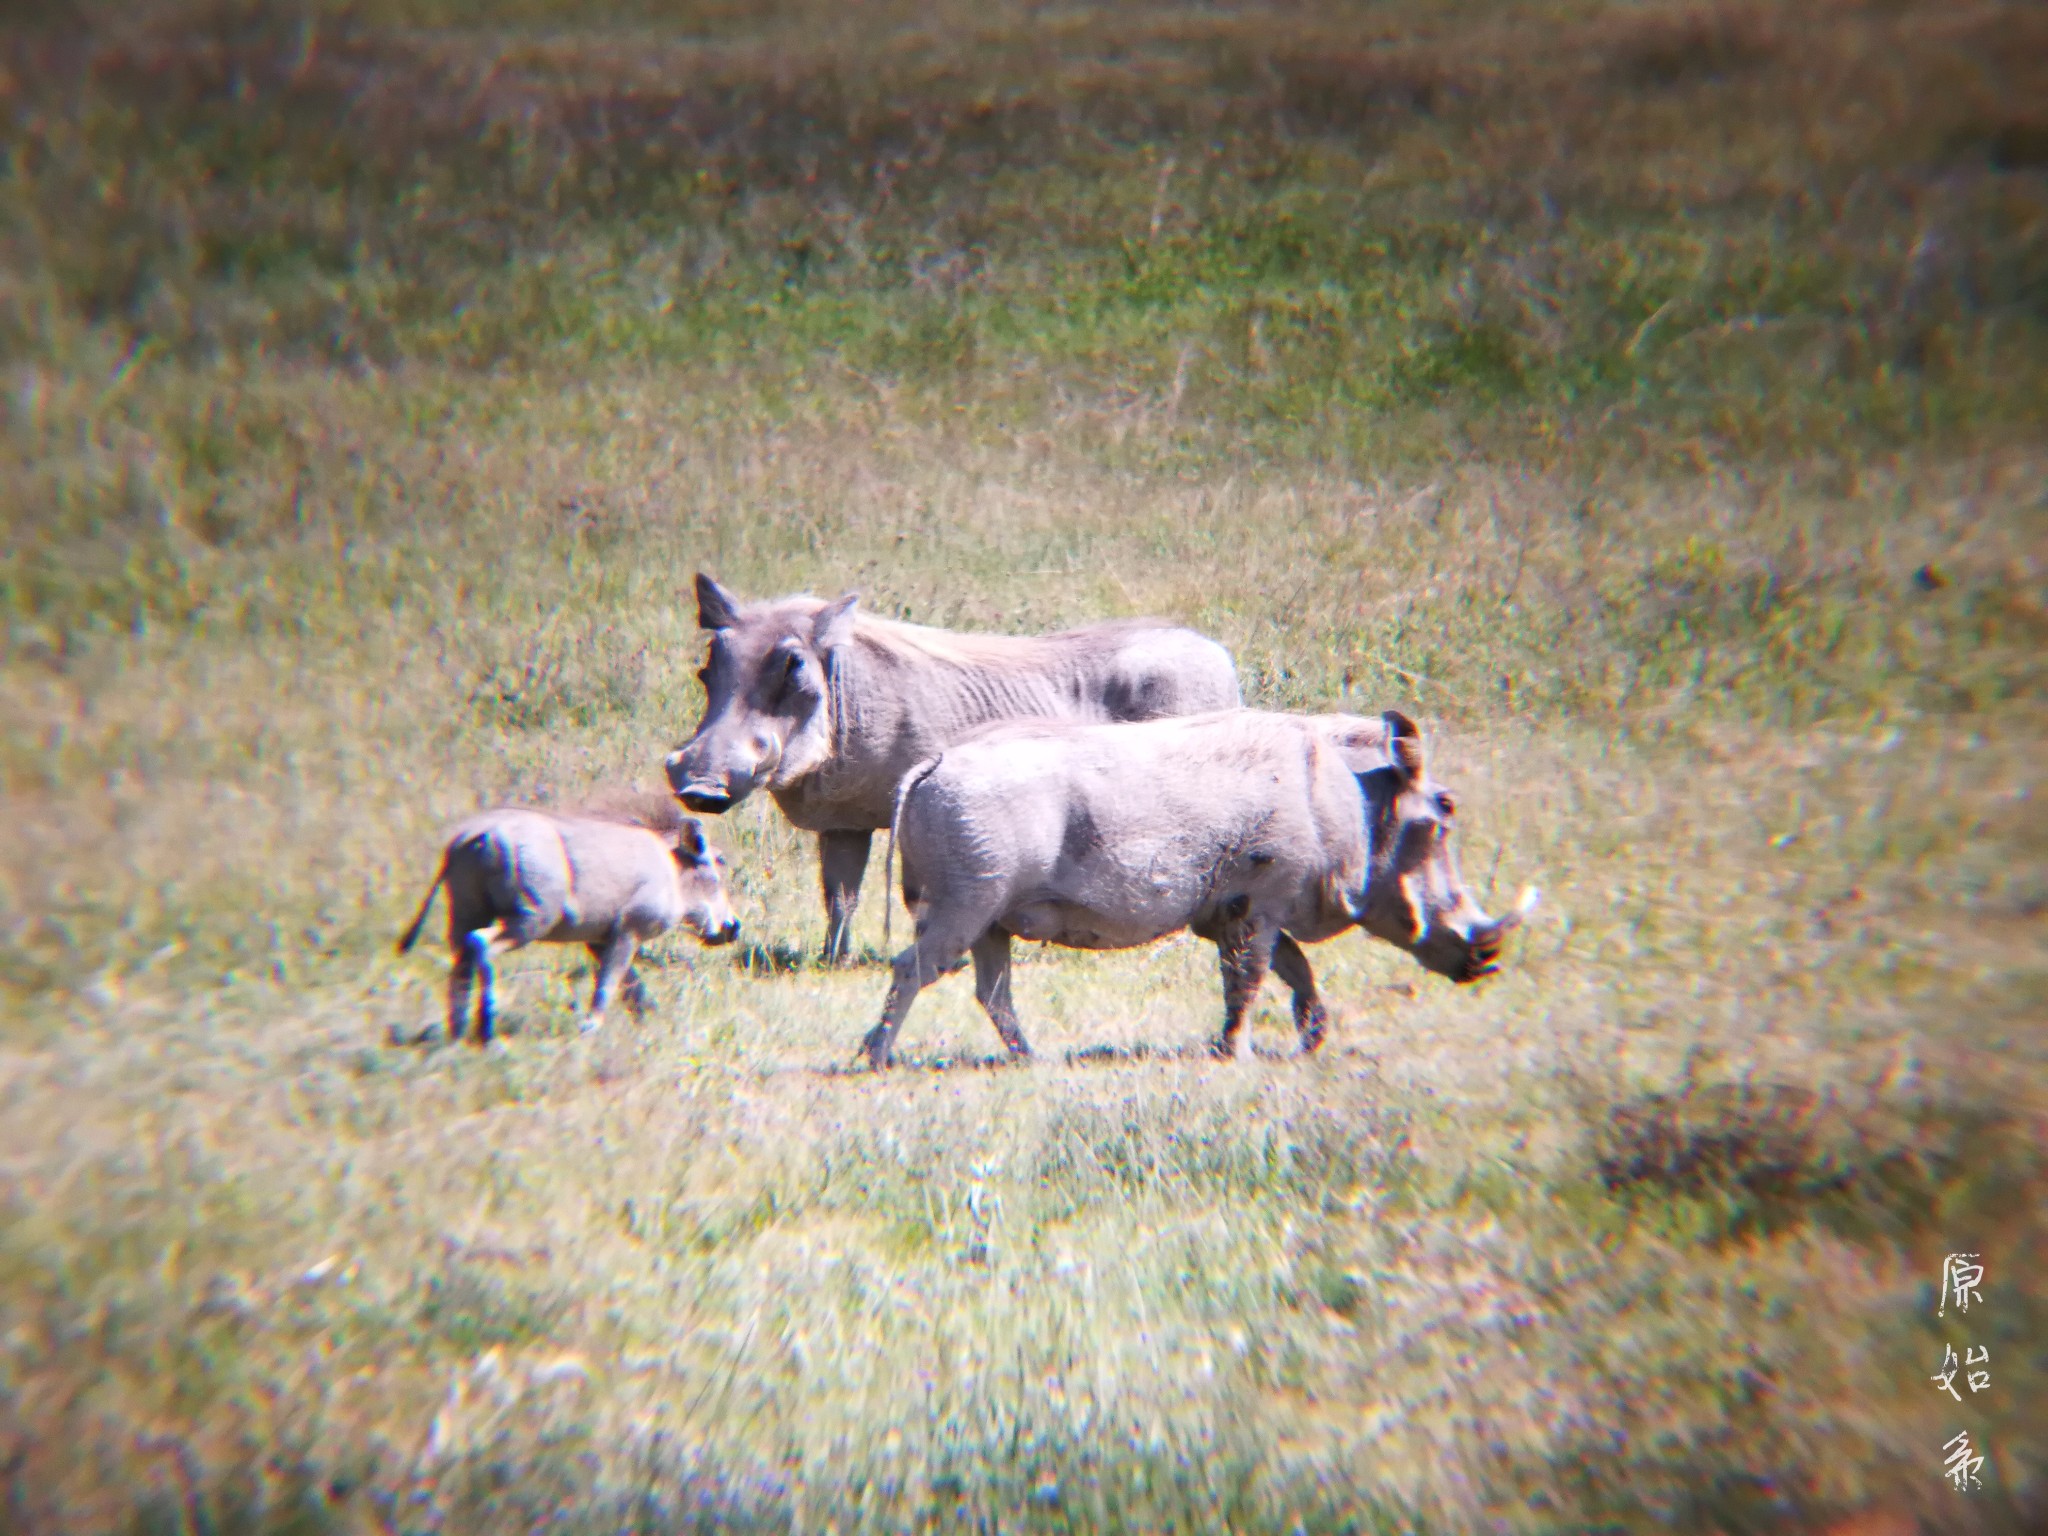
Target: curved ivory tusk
x,y
1509,921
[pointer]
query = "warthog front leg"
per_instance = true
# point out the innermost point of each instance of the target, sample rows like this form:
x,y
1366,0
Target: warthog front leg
x,y
615,959
992,988
1311,1019
1244,948
842,861
632,986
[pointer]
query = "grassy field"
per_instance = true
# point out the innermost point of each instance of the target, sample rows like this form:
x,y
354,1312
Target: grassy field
x,y
1648,398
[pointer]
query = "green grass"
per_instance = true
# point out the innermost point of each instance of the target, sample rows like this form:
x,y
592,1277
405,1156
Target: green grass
x,y
1647,398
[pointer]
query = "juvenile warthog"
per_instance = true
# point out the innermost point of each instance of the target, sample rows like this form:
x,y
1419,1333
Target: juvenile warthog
x,y
827,708
607,879
1259,832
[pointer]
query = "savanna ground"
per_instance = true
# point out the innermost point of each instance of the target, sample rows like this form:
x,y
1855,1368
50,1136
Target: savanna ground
x,y
1650,399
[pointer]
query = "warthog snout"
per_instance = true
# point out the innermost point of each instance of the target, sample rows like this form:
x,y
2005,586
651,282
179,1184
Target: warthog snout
x,y
725,933
1475,953
698,790
695,774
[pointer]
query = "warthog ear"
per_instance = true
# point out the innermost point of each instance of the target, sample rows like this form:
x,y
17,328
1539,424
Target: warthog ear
x,y
1362,744
1404,743
716,607
833,626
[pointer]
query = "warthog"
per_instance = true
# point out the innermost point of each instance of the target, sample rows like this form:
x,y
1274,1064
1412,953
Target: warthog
x,y
1260,832
607,878
828,707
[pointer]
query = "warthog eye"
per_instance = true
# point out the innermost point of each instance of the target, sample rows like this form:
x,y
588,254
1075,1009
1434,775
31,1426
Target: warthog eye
x,y
1445,804
792,666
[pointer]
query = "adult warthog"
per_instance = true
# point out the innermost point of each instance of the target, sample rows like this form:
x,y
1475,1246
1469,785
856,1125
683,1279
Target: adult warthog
x,y
1260,832
827,708
608,878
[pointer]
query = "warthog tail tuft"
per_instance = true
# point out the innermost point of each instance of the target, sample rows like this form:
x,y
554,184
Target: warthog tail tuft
x,y
911,780
407,939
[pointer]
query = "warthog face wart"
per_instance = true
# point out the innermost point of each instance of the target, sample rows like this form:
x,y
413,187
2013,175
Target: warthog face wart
x,y
767,702
1414,896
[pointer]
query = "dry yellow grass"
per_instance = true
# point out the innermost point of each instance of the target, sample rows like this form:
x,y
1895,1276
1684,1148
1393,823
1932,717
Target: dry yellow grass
x,y
1740,661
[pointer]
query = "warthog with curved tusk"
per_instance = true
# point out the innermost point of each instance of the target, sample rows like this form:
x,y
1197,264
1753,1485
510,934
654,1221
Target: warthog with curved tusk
x,y
606,878
1260,832
826,708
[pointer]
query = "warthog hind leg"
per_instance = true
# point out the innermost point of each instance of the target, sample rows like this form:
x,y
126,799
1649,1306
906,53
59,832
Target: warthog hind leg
x,y
992,988
842,861
910,977
461,981
1244,948
633,991
1311,1018
943,939
479,943
484,944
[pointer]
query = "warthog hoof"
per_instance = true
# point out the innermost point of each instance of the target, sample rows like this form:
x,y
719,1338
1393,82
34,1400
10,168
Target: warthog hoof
x,y
876,1044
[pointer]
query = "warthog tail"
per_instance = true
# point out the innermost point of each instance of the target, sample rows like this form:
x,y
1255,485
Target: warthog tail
x,y
407,939
910,781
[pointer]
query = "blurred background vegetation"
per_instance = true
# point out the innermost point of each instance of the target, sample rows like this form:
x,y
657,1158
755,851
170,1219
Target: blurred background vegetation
x,y
1732,229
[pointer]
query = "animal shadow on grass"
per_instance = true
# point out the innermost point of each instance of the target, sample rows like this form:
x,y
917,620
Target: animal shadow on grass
x,y
778,959
651,957
993,1062
1143,1051
433,1033
1082,1056
1202,1050
782,958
